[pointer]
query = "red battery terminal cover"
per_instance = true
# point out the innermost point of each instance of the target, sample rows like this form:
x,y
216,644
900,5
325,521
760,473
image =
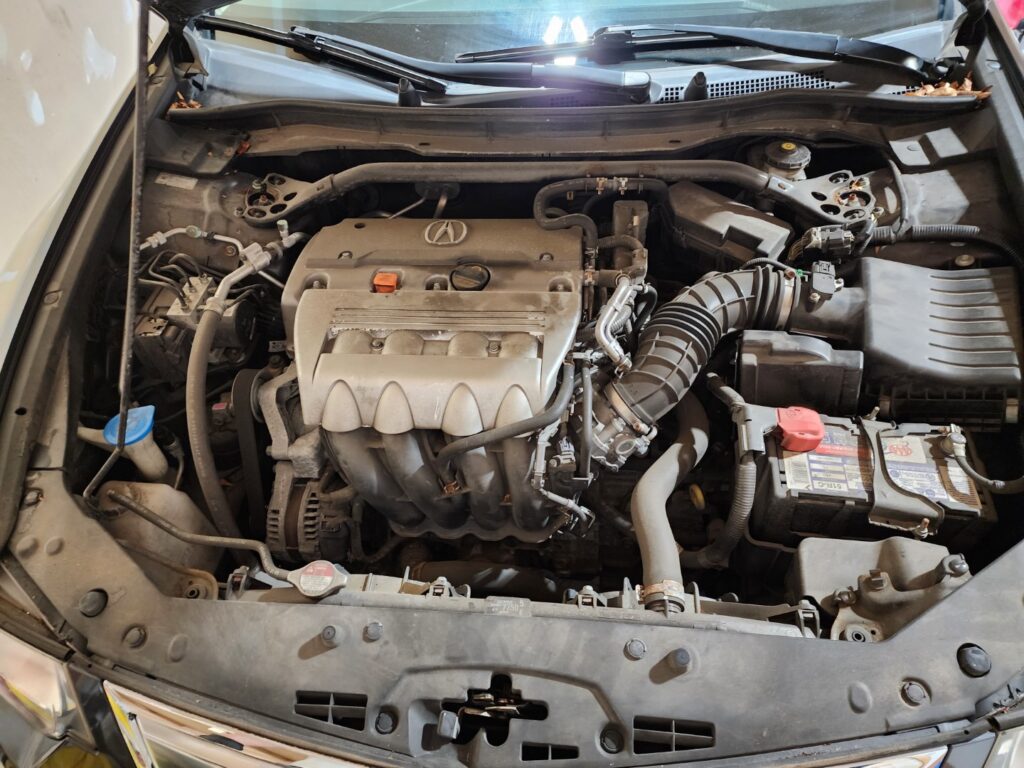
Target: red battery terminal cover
x,y
800,429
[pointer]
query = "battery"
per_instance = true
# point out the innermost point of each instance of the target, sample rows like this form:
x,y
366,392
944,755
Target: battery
x,y
866,479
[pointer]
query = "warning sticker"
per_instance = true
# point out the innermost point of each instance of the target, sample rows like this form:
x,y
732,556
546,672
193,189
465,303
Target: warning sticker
x,y
841,466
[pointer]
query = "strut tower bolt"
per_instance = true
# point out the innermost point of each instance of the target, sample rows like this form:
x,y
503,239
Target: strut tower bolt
x,y
958,566
635,649
845,597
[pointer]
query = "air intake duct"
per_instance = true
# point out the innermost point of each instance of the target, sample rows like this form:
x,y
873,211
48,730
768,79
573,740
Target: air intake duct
x,y
677,344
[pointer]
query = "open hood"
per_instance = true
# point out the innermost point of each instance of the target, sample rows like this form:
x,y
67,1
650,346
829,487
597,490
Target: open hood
x,y
178,12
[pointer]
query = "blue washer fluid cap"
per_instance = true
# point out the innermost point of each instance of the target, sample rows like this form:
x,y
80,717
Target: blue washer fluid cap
x,y
140,424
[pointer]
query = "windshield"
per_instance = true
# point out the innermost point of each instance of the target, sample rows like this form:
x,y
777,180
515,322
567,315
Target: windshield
x,y
441,29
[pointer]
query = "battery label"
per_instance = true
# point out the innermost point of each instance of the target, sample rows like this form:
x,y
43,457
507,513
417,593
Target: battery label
x,y
918,465
841,466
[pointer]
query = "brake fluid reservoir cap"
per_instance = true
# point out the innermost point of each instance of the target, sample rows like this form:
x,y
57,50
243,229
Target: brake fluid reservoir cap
x,y
140,424
800,429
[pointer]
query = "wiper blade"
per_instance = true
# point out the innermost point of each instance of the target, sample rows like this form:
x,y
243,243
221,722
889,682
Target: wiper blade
x,y
620,43
434,77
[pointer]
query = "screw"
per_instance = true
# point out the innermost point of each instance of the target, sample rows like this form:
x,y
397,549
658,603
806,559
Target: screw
x,y
345,255
373,631
964,260
635,649
814,297
974,661
546,257
377,343
680,660
258,185
329,636
385,722
92,603
913,693
611,740
230,250
135,636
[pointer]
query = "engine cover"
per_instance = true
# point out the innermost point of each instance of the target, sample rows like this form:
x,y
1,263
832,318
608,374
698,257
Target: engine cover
x,y
413,324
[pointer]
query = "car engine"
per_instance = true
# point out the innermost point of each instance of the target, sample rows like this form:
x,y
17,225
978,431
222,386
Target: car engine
x,y
694,386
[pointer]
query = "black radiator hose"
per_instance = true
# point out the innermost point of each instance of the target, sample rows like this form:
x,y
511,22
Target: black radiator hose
x,y
683,334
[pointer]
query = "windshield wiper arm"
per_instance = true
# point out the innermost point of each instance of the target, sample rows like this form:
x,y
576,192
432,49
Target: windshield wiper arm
x,y
432,76
621,42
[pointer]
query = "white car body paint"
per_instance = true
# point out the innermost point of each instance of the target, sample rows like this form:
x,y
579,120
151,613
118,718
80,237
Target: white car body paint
x,y
66,68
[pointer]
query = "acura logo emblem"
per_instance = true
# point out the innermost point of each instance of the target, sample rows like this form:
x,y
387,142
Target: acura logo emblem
x,y
445,232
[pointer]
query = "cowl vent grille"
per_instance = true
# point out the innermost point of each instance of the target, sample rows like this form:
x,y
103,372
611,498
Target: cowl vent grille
x,y
345,710
718,89
662,734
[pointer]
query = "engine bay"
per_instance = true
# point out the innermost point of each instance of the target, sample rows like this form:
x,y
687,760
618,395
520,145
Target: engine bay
x,y
756,384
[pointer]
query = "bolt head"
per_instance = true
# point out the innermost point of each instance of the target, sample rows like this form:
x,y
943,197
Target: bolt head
x,y
373,631
845,597
135,636
958,566
386,722
974,661
680,660
329,636
92,603
611,740
913,693
635,649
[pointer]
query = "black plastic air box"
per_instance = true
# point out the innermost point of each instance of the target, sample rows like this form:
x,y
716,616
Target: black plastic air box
x,y
939,345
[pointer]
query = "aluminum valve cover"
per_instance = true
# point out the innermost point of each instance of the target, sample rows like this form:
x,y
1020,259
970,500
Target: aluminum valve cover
x,y
429,356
